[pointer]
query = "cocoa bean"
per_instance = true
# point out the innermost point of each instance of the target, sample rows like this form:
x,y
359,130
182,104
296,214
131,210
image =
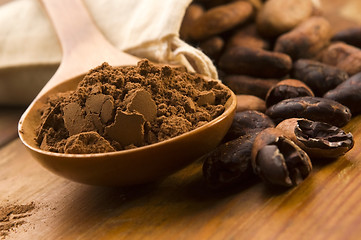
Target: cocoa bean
x,y
220,19
285,89
312,108
212,47
278,160
255,62
306,40
318,76
247,37
248,122
343,56
317,139
193,12
351,36
280,16
229,163
348,93
250,102
242,84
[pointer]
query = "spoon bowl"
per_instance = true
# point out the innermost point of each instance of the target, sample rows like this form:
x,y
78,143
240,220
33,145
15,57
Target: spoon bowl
x,y
120,168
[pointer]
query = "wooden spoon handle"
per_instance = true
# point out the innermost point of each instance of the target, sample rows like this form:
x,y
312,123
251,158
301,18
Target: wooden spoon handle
x,y
83,45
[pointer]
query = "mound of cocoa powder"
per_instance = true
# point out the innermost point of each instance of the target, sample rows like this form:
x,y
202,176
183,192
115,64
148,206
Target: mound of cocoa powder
x,y
117,108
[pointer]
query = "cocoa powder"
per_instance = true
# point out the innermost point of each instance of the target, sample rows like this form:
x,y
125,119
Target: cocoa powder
x,y
117,108
12,216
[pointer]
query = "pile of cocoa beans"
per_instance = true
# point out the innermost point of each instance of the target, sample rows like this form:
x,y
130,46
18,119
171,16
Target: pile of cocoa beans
x,y
297,84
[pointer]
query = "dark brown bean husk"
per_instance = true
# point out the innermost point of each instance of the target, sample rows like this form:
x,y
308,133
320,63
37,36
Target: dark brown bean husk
x,y
350,36
313,108
246,122
318,76
306,40
348,93
285,89
243,84
317,139
278,160
255,62
229,163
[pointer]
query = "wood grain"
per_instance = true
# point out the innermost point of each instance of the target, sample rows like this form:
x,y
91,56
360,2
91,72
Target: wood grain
x,y
325,206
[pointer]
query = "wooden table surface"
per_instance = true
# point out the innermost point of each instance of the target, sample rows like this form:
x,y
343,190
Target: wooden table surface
x,y
325,206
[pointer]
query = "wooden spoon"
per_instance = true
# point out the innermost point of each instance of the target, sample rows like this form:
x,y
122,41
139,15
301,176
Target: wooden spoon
x,y
84,47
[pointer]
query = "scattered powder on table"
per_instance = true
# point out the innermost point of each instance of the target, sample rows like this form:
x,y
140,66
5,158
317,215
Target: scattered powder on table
x,y
13,216
117,108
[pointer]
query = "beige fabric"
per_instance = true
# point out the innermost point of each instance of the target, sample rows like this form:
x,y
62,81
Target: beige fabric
x,y
30,51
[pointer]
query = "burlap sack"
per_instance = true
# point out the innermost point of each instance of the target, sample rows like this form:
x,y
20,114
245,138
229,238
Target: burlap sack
x,y
30,52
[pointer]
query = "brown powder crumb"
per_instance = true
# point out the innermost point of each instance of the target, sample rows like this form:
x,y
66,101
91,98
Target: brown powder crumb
x,y
117,108
12,216
87,142
133,133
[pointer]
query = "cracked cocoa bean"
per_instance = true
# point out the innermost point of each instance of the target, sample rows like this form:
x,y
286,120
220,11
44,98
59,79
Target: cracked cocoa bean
x,y
246,122
278,160
312,108
348,93
306,40
242,84
285,89
229,163
255,62
318,76
317,139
